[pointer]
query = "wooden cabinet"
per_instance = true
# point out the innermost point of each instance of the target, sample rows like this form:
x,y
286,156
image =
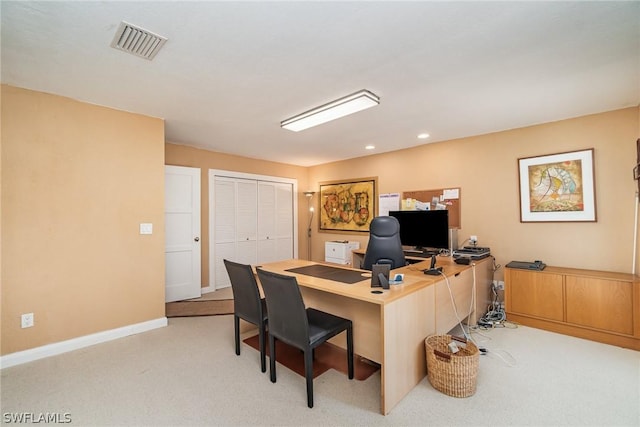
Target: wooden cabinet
x,y
596,305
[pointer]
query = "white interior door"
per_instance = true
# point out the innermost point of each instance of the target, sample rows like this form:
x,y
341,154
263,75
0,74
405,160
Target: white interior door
x,y
182,233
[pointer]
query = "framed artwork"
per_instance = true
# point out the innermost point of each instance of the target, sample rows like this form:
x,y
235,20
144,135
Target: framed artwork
x,y
347,206
557,187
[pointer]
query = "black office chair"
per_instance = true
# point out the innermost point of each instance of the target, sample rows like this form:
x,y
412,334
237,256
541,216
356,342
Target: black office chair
x,y
300,327
384,245
247,304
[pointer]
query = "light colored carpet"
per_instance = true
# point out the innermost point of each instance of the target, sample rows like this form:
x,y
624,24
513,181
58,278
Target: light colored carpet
x,y
188,374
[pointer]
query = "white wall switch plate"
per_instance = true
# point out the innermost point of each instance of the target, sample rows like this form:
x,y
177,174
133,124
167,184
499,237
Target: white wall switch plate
x,y
146,228
27,320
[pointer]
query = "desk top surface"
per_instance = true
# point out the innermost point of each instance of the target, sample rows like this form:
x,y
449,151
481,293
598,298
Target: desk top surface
x,y
414,279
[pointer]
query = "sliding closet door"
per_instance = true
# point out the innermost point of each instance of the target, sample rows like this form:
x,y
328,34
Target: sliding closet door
x,y
284,221
266,222
252,221
234,225
275,221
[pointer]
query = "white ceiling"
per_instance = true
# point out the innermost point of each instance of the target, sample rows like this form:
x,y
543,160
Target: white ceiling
x,y
231,71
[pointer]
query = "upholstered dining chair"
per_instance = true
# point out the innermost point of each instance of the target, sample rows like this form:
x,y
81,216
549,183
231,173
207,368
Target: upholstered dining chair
x,y
384,245
247,304
300,327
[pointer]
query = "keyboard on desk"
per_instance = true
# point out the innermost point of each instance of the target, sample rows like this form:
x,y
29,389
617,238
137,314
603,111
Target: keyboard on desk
x,y
419,254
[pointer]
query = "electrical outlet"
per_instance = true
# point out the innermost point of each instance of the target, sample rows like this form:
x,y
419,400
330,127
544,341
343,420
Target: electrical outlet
x,y
473,240
498,285
27,320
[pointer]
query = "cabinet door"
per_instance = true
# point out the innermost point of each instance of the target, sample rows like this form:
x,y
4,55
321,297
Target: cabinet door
x,y
534,294
600,303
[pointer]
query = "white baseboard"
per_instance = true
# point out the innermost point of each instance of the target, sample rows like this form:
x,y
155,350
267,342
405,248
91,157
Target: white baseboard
x,y
48,350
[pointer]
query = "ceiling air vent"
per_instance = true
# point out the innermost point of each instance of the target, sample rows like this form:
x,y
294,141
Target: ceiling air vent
x,y
137,41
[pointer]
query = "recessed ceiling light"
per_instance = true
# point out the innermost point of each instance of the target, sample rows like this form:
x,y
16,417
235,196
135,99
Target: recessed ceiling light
x,y
370,147
423,136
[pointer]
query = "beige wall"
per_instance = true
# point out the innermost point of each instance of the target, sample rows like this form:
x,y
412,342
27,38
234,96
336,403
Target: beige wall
x,y
180,155
77,179
485,167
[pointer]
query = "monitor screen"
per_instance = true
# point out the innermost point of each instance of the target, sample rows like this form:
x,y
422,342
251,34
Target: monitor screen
x,y
423,229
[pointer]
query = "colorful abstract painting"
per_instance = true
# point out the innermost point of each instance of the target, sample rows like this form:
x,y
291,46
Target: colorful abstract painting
x,y
347,206
557,187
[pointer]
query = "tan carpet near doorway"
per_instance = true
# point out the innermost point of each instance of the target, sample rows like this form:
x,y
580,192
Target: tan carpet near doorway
x,y
209,304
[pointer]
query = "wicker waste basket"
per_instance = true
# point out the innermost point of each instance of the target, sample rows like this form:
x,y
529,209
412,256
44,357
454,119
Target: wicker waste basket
x,y
454,374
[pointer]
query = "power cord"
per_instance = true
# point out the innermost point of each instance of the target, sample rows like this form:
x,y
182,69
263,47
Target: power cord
x,y
495,316
471,305
495,312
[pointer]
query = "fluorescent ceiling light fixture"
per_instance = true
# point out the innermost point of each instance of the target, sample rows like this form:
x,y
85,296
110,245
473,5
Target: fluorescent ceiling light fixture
x,y
350,104
369,147
423,136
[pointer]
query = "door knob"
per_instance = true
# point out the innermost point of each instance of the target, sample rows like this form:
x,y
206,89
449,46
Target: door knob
x,y
197,239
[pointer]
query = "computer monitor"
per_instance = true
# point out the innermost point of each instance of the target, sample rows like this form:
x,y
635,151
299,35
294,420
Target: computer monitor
x,y
424,230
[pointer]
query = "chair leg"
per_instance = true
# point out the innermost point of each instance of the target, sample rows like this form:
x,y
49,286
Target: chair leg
x,y
350,350
261,341
272,357
236,327
308,373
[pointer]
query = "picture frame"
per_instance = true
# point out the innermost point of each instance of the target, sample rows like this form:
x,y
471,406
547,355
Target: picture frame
x,y
347,206
376,271
558,187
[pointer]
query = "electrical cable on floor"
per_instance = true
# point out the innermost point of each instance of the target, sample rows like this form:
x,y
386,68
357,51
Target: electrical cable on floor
x,y
495,314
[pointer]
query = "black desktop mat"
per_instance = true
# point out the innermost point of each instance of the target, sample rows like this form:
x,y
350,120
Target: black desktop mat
x,y
330,273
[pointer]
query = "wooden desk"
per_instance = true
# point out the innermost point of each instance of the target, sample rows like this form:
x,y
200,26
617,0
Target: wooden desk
x,y
390,328
484,277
